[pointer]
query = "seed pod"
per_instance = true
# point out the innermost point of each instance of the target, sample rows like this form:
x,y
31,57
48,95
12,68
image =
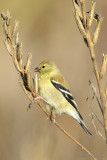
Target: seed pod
x,y
77,8
15,28
79,24
8,18
5,29
103,67
16,63
91,15
36,83
97,30
17,39
28,76
28,63
19,51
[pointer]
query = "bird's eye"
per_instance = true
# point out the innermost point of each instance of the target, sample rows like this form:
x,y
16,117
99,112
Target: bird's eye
x,y
43,66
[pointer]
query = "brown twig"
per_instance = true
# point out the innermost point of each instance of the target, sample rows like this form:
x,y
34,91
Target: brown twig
x,y
94,92
93,115
14,48
84,23
96,130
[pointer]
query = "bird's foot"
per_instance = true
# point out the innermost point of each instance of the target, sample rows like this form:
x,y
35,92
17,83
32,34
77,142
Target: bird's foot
x,y
33,101
40,98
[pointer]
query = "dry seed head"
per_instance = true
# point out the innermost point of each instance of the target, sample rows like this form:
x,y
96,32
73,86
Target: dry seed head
x,y
97,30
104,66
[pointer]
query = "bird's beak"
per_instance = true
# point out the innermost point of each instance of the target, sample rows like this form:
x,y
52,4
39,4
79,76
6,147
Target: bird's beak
x,y
37,69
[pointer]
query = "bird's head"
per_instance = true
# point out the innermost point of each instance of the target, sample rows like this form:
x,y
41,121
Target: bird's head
x,y
47,68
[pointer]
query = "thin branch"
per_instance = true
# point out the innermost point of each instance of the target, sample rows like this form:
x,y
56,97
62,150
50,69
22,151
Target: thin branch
x,y
94,115
90,44
25,76
97,131
94,92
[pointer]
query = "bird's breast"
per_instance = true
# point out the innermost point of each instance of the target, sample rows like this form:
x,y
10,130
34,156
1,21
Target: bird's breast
x,y
51,95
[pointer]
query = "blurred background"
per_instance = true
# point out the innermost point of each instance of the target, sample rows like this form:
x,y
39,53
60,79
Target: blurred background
x,y
48,30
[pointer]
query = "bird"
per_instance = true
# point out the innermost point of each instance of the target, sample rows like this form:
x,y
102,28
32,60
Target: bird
x,y
54,90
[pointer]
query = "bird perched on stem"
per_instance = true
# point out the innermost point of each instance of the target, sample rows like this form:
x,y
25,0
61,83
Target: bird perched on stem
x,y
55,92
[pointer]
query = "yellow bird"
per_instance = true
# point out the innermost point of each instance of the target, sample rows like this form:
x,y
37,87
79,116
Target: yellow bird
x,y
55,91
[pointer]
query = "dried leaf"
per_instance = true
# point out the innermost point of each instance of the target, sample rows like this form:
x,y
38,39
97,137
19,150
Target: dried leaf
x,y
104,66
91,15
97,30
27,67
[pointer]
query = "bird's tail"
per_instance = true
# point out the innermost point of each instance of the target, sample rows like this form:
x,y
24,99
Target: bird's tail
x,y
85,128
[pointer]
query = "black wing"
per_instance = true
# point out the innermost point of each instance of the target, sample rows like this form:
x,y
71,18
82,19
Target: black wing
x,y
66,93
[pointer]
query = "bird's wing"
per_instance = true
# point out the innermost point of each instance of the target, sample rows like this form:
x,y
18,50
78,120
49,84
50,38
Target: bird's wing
x,y
60,85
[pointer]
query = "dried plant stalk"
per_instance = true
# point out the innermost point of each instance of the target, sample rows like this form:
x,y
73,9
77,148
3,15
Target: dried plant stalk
x,y
87,22
25,75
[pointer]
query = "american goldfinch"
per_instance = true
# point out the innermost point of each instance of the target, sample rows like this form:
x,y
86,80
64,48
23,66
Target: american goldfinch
x,y
54,90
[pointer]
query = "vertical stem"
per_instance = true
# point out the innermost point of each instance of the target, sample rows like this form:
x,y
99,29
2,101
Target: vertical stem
x,y
101,91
